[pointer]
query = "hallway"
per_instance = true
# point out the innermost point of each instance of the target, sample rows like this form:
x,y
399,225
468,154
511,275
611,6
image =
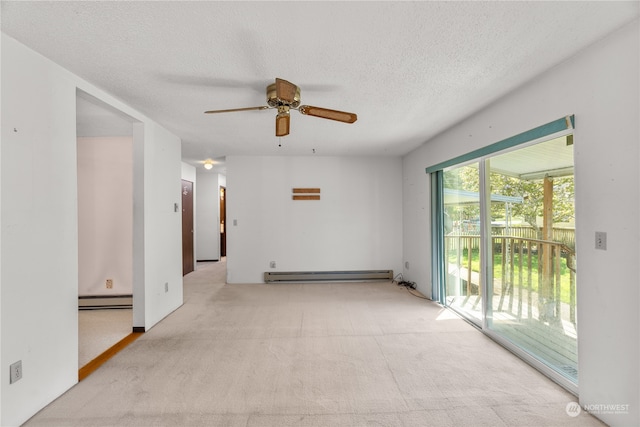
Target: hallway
x,y
325,354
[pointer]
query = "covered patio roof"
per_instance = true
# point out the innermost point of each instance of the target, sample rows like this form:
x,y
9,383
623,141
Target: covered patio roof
x,y
553,158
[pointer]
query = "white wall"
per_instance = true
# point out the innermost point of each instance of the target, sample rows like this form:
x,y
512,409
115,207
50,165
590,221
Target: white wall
x,y
357,224
600,86
38,233
162,224
39,228
208,216
188,172
105,215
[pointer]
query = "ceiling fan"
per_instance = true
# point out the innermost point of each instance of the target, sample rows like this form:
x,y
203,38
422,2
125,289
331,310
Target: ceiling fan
x,y
285,96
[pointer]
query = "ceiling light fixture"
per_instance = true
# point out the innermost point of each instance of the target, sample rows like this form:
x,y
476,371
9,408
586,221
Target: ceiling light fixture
x,y
208,164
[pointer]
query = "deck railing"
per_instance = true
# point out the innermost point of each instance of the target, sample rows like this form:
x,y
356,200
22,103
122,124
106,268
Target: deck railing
x,y
566,236
530,278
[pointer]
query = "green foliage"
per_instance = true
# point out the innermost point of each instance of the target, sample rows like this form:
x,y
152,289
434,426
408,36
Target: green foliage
x,y
467,178
532,193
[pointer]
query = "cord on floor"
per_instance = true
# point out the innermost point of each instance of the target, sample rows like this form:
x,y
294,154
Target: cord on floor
x,y
409,286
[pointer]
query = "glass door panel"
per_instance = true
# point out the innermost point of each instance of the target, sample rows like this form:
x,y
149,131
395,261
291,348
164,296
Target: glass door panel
x,y
533,303
462,274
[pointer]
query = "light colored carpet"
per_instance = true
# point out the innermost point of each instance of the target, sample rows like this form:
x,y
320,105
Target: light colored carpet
x,y
98,330
326,354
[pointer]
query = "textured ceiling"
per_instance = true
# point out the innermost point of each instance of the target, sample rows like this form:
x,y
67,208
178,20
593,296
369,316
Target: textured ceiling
x,y
408,69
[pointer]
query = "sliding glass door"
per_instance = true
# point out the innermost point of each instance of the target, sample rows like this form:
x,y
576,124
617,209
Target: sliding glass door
x,y
462,274
505,250
533,260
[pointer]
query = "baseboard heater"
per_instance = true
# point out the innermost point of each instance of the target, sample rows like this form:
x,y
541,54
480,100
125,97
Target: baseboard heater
x,y
327,276
98,302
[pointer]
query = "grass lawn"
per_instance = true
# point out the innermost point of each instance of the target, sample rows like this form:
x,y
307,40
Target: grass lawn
x,y
497,270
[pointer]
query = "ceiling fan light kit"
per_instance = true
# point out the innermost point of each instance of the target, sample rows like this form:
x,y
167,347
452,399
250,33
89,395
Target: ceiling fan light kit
x,y
285,96
283,120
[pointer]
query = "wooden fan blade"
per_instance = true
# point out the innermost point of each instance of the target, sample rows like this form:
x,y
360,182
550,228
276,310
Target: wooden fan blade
x,y
230,110
325,113
286,91
282,124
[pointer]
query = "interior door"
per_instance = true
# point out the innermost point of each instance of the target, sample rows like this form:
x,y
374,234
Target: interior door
x,y
223,222
187,227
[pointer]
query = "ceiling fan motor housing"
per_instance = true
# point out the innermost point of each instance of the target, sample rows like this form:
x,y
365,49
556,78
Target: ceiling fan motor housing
x,y
274,101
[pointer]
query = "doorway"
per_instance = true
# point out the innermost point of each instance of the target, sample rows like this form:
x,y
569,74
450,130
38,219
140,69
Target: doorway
x,y
223,222
105,170
187,227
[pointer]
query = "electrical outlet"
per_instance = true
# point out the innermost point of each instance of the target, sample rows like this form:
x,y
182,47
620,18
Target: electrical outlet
x,y
166,286
601,240
109,283
272,264
15,372
406,265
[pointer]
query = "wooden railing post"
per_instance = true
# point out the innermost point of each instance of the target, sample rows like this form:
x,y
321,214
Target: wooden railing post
x,y
480,279
520,281
546,292
529,282
503,278
469,258
572,287
511,273
558,282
